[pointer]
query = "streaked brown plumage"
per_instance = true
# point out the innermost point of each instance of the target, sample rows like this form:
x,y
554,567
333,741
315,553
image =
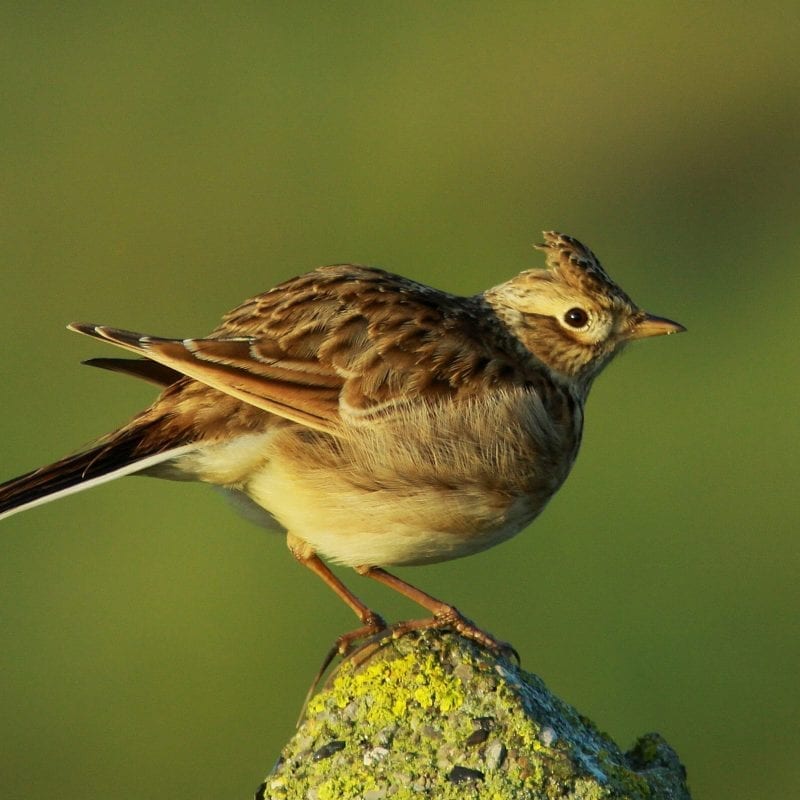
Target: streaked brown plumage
x,y
377,420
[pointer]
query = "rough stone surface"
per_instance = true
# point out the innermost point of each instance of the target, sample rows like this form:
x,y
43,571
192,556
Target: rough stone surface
x,y
432,715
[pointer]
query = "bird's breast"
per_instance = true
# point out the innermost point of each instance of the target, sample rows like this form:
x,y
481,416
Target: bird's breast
x,y
425,482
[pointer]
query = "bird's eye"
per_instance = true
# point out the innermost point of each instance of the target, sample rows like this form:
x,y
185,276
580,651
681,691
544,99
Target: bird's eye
x,y
576,318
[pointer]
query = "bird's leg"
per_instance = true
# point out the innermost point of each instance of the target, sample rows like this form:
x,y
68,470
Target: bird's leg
x,y
444,615
370,621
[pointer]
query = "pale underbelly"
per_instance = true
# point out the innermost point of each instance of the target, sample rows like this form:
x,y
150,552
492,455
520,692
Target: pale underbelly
x,y
435,484
377,530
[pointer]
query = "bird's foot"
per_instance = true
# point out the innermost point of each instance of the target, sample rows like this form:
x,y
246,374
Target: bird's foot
x,y
451,617
373,623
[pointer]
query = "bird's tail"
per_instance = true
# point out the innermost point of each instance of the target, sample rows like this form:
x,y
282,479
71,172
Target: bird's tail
x,y
120,454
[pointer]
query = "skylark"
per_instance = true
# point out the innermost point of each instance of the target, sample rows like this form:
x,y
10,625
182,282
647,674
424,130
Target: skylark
x,y
376,420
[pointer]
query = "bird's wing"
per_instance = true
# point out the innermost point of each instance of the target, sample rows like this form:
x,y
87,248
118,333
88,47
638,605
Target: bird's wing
x,y
237,368
341,341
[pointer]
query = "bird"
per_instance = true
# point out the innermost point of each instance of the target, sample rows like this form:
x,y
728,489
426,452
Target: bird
x,y
376,421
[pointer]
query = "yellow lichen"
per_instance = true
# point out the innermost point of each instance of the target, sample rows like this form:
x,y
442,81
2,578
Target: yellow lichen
x,y
345,785
409,681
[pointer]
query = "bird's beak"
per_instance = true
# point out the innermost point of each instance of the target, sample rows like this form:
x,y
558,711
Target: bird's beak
x,y
649,325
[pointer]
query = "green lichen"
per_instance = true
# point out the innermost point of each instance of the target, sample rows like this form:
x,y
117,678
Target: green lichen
x,y
394,723
390,688
345,785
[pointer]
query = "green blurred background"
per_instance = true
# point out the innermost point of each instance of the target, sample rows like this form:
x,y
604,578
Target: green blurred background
x,y
162,162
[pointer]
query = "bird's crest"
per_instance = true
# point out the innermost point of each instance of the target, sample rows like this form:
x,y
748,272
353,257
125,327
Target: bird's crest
x,y
578,264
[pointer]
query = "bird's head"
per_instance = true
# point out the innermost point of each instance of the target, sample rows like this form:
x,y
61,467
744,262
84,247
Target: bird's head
x,y
571,316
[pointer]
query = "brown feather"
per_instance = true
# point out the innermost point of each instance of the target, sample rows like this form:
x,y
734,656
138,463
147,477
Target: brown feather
x,y
345,333
150,371
133,443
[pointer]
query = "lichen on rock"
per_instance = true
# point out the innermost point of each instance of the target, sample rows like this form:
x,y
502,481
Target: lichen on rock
x,y
433,715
